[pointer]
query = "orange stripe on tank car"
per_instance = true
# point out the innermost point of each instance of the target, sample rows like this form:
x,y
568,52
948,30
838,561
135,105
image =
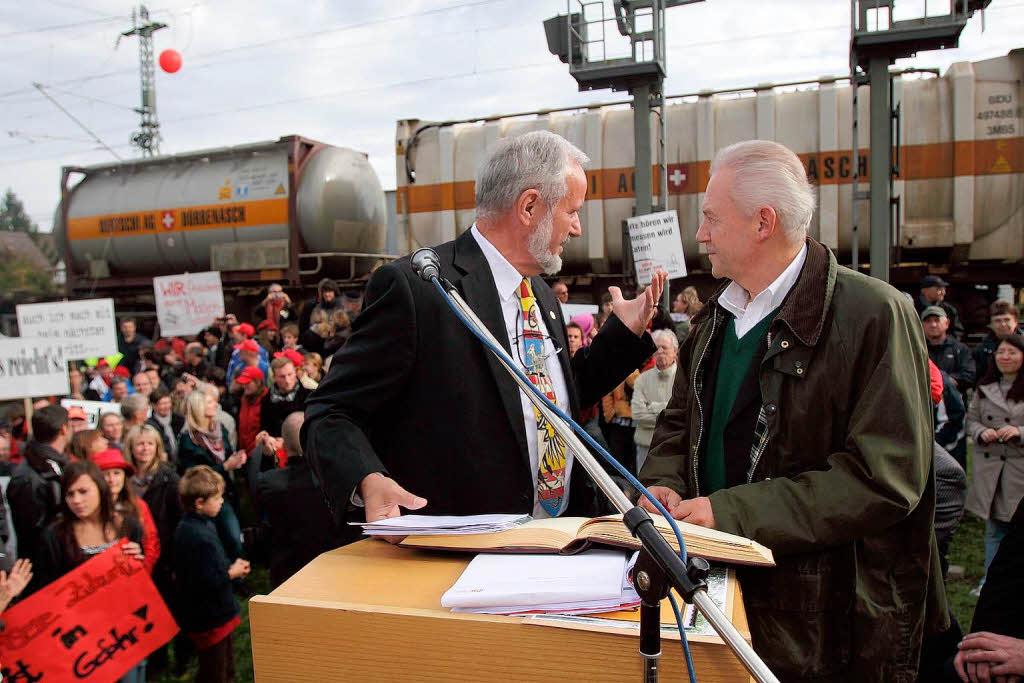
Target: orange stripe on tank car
x,y
999,155
429,197
465,194
835,167
934,160
185,219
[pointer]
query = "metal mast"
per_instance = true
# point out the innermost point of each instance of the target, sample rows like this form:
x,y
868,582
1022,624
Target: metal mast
x,y
147,138
579,40
876,41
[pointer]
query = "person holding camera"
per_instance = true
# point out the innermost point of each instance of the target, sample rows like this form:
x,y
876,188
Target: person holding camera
x,y
277,307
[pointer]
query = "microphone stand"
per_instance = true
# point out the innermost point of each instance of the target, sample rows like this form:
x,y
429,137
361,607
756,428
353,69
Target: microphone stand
x,y
659,567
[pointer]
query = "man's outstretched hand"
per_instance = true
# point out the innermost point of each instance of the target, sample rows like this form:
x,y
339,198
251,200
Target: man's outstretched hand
x,y
636,313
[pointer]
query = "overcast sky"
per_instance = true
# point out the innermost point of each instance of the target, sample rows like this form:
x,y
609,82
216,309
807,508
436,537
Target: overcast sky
x,y
343,72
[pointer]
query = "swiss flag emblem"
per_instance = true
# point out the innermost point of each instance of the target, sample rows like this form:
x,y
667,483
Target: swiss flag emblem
x,y
167,220
677,177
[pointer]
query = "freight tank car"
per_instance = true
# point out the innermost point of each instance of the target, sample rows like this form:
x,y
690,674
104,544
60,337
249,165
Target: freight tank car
x,y
960,160
291,210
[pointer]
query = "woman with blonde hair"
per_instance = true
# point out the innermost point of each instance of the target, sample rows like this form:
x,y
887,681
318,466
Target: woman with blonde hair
x,y
156,483
312,370
204,441
320,330
341,328
693,304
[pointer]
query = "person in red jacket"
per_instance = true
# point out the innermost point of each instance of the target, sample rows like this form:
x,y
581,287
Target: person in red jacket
x,y
116,472
253,391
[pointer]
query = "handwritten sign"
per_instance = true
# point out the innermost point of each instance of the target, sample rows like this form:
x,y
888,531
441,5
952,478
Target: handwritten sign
x,y
93,409
656,244
32,367
93,624
187,303
85,328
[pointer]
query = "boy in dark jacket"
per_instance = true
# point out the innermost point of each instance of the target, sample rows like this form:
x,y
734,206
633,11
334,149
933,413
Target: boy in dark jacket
x,y
208,612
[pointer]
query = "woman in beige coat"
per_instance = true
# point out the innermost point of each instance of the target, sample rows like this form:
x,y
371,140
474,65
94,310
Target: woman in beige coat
x,y
994,423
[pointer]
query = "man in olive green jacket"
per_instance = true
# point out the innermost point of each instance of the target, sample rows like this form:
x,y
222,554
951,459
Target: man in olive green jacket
x,y
800,418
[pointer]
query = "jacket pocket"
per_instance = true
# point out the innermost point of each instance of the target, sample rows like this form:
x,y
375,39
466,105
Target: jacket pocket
x,y
801,612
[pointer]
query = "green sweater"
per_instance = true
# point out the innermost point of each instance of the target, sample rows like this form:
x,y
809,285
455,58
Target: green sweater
x,y
733,365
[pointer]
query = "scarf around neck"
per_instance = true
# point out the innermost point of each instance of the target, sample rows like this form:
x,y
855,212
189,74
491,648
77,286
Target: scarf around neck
x,y
212,441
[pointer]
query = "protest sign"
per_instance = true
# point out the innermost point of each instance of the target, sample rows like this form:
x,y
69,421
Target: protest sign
x,y
656,243
187,303
32,367
93,624
93,409
85,328
570,310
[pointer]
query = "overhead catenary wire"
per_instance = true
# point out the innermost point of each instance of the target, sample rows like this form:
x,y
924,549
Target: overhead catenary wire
x,y
71,116
273,41
334,94
302,50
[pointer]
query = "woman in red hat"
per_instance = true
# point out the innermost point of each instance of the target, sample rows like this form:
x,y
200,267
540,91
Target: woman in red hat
x,y
116,472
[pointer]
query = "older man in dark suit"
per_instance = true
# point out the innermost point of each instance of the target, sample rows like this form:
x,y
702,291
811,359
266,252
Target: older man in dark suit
x,y
416,413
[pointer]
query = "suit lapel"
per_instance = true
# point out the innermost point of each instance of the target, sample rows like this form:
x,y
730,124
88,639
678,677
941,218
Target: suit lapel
x,y
477,288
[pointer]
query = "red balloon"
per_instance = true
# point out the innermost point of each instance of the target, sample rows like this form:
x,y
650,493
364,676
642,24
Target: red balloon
x,y
170,61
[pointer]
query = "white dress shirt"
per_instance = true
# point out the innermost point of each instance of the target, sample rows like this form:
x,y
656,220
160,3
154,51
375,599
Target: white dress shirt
x,y
506,281
749,312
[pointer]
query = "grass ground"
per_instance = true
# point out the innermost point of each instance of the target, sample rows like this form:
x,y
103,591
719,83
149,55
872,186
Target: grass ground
x,y
967,551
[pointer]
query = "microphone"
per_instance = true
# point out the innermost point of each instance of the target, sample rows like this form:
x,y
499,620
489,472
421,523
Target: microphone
x,y
426,264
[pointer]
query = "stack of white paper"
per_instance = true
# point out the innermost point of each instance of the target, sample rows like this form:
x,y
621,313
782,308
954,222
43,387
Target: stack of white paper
x,y
594,581
439,525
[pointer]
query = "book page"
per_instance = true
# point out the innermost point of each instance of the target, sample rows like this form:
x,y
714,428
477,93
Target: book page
x,y
542,534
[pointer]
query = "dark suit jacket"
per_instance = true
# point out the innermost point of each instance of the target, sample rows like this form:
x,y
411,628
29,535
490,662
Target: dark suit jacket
x,y
300,524
414,395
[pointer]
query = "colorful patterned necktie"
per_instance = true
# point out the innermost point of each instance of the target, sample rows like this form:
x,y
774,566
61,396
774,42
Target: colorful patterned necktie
x,y
550,446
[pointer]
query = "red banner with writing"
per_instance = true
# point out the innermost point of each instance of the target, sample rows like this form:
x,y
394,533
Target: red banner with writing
x,y
93,624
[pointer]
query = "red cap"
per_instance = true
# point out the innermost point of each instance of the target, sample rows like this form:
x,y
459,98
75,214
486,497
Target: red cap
x,y
244,328
122,371
161,345
291,354
178,345
111,459
266,325
251,373
102,364
77,413
248,345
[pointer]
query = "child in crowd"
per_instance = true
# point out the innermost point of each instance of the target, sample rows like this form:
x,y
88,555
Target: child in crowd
x,y
208,612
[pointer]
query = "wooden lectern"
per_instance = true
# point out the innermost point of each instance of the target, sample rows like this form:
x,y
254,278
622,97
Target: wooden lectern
x,y
372,612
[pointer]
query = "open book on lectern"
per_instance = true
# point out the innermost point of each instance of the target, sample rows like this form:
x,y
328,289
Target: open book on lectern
x,y
571,535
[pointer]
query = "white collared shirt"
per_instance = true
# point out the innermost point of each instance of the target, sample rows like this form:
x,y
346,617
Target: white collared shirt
x,y
749,312
506,281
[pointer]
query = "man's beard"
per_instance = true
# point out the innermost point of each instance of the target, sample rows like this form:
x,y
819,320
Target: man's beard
x,y
539,246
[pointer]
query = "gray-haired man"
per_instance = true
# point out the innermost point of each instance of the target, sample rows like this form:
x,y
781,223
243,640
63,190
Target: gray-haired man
x,y
801,418
415,413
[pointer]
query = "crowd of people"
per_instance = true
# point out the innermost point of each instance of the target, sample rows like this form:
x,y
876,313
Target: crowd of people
x,y
204,466
194,468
